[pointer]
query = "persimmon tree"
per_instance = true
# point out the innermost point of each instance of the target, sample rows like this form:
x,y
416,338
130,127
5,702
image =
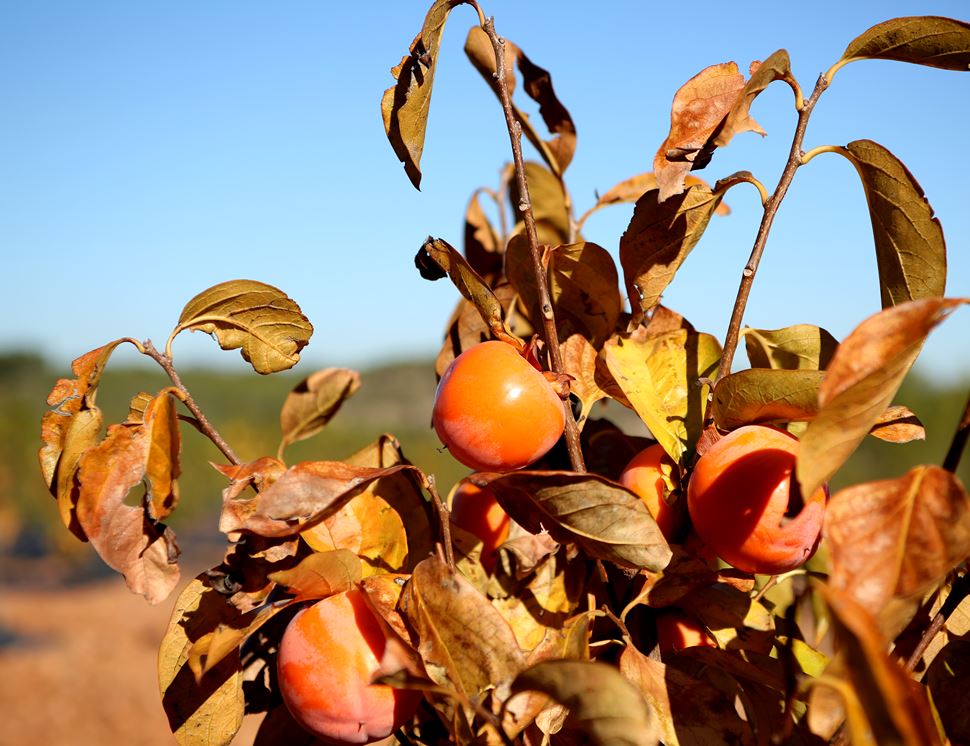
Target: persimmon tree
x,y
557,635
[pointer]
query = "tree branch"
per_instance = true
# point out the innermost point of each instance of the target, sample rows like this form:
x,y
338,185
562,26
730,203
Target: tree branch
x,y
959,442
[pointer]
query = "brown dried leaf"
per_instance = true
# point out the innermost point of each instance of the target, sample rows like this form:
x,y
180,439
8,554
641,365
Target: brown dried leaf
x,y
630,190
582,281
260,319
483,248
763,74
948,678
799,347
895,705
688,710
604,706
658,240
320,575
698,109
898,425
896,537
437,258
765,396
314,401
549,206
129,539
299,498
464,641
910,248
659,375
226,639
209,712
404,106
537,83
925,40
861,381
608,521
581,361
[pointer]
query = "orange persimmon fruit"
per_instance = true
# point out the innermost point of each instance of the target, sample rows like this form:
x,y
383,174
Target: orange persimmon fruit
x,y
677,630
328,655
476,510
738,498
644,476
494,411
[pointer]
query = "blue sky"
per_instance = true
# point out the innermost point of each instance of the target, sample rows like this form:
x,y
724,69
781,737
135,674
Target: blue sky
x,y
149,150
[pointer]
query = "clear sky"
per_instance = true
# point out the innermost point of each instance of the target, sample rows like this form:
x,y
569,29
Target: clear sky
x,y
149,150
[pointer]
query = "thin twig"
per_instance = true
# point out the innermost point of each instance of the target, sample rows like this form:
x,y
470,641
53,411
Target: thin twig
x,y
959,442
771,207
443,521
550,334
959,591
203,423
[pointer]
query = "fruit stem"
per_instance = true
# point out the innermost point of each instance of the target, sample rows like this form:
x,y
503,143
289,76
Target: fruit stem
x,y
550,335
959,442
771,207
443,521
203,423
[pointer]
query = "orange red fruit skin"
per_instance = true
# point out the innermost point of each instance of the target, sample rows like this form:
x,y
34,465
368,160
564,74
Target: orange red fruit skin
x,y
677,630
477,511
737,497
328,655
494,411
644,477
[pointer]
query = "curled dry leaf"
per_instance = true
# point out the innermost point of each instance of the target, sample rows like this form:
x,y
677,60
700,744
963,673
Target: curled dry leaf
x,y
537,83
925,40
314,401
319,575
258,319
910,249
437,258
658,240
698,111
763,74
483,247
660,376
210,712
404,106
861,381
897,537
799,347
464,641
129,538
608,521
583,287
603,705
894,705
765,396
898,425
581,361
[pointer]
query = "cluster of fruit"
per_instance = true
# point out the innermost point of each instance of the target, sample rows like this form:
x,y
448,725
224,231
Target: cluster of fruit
x,y
496,412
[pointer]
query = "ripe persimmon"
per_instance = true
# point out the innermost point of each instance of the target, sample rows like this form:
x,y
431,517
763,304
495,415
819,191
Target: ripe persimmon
x,y
677,630
644,476
476,510
328,655
738,499
494,411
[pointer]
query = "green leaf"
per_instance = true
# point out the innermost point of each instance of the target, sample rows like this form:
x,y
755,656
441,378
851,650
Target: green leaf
x,y
659,238
404,106
799,347
863,377
924,40
660,376
314,401
267,325
763,396
910,249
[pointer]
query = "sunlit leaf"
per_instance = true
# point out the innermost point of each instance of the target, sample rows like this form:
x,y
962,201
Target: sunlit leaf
x,y
660,376
208,713
897,537
314,401
924,40
698,109
799,347
321,574
129,538
765,396
581,360
910,249
463,640
267,325
549,206
658,239
437,259
861,381
895,706
776,67
630,190
606,520
602,704
898,425
404,106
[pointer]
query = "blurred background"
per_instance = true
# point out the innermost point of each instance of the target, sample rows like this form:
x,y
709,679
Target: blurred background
x,y
150,151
